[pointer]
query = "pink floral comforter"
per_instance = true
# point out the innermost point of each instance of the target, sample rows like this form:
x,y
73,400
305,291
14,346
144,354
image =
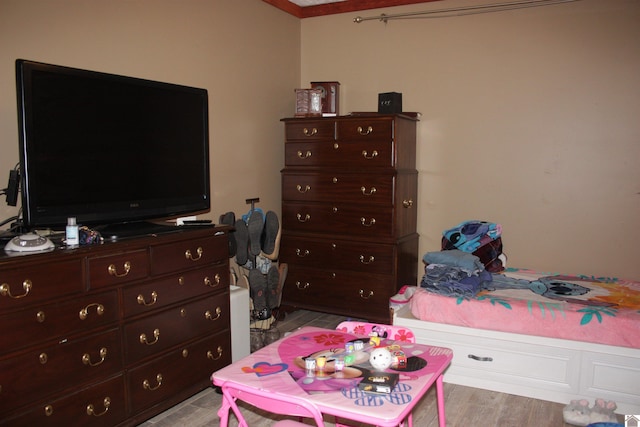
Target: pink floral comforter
x,y
602,310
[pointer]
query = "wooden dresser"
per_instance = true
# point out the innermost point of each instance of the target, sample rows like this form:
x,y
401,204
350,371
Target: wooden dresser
x,y
349,191
112,334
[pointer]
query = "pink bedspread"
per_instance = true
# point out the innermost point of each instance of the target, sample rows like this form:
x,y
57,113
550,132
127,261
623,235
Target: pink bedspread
x,y
607,313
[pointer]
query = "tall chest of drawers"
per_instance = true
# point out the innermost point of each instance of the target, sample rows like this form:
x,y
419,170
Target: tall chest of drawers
x,y
110,335
349,189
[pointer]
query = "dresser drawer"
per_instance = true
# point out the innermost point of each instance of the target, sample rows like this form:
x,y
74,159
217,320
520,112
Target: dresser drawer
x,y
30,284
168,328
36,373
365,129
310,130
338,291
339,218
49,321
178,371
334,254
160,293
189,254
103,404
339,154
118,268
369,189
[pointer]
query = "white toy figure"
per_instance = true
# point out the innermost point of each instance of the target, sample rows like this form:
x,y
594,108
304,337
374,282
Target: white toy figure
x,y
380,358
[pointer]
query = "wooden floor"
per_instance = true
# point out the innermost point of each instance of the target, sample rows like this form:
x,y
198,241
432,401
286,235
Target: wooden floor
x,y
465,406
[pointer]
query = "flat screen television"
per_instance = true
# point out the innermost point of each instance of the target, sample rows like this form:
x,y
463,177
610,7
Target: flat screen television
x,y
109,149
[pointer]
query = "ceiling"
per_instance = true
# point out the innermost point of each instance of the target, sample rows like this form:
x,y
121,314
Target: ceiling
x,y
310,8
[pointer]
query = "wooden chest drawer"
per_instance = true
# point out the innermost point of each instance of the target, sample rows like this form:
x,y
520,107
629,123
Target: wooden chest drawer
x,y
42,322
153,334
334,254
115,269
370,189
311,130
188,254
103,404
338,291
160,293
339,218
339,154
31,284
365,129
179,371
35,373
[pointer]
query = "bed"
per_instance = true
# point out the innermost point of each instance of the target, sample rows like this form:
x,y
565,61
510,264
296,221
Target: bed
x,y
535,334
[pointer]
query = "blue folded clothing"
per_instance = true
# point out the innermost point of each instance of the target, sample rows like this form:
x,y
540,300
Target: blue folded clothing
x,y
453,281
455,258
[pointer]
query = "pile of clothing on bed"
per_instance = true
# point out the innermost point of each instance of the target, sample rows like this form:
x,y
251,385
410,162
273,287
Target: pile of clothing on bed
x,y
471,251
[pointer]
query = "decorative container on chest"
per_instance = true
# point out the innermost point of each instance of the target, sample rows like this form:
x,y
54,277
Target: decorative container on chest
x,y
349,191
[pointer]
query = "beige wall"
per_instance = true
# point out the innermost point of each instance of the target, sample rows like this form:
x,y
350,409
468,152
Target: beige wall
x,y
531,119
245,52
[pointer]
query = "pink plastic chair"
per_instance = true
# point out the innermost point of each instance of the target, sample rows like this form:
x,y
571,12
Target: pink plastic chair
x,y
270,402
394,333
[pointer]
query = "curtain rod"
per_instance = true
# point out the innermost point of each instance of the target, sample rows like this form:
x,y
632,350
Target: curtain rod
x,y
462,11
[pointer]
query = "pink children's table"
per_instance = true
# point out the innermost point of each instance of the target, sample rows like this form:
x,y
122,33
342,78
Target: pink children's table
x,y
279,368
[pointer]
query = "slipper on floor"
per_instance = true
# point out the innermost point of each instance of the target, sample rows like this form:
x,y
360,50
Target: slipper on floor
x,y
270,234
242,242
229,218
273,279
255,226
258,292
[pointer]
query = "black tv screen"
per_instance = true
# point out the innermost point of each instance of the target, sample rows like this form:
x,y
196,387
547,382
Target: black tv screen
x,y
109,149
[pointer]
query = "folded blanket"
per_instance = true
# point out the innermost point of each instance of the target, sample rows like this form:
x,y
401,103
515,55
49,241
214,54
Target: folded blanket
x,y
454,281
455,258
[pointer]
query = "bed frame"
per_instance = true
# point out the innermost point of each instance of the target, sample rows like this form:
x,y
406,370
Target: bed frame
x,y
550,369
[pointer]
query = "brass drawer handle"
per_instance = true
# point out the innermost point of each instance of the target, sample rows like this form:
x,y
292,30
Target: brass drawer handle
x,y
371,191
302,190
188,255
113,270
371,222
147,385
306,218
368,156
304,155
48,410
84,313
407,203
43,358
142,301
86,358
212,356
302,286
5,290
362,131
156,335
371,259
365,297
311,132
209,316
106,403
302,254
214,283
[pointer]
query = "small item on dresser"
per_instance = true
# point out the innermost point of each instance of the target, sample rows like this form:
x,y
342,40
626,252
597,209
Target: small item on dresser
x,y
330,97
389,103
308,102
72,233
89,236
